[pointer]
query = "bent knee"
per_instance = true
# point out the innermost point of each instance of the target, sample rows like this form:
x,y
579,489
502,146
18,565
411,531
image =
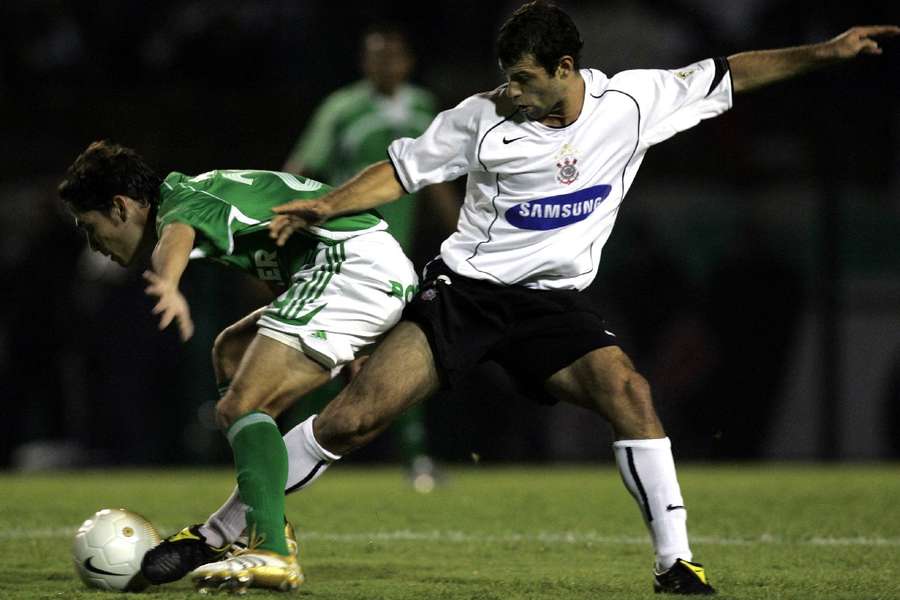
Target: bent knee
x,y
230,408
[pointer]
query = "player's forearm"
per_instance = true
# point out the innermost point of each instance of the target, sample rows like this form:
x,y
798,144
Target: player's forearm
x,y
750,70
374,186
172,252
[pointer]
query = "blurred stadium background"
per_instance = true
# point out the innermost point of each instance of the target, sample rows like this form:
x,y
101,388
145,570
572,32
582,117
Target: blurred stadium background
x,y
754,274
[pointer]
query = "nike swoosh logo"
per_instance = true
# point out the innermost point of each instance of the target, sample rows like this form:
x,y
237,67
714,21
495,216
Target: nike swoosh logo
x,y
506,141
93,569
672,507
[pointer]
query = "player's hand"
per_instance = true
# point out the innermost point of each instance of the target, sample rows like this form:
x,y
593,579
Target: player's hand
x,y
296,215
171,306
860,40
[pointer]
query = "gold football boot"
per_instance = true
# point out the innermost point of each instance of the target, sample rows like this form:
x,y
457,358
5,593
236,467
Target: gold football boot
x,y
250,567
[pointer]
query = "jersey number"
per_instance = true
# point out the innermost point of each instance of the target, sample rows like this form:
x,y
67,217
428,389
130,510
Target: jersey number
x,y
246,177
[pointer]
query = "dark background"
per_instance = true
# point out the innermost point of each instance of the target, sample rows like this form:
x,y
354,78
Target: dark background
x,y
754,273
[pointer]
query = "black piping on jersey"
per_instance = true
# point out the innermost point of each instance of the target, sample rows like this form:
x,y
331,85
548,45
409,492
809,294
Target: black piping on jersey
x,y
637,483
309,476
730,79
722,67
396,172
493,200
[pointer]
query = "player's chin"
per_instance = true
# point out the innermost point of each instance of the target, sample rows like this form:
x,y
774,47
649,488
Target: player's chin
x,y
121,260
533,113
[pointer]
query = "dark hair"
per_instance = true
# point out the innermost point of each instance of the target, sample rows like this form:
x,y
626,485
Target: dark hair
x,y
103,170
543,30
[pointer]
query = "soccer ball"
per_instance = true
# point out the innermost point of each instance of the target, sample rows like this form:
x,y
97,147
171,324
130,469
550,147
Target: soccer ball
x,y
108,549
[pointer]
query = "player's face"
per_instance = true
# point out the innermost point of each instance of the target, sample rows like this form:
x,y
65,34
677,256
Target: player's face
x,y
534,91
115,234
387,62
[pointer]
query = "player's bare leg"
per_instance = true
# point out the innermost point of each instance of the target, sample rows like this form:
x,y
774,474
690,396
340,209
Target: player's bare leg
x,y
269,377
606,382
400,373
203,543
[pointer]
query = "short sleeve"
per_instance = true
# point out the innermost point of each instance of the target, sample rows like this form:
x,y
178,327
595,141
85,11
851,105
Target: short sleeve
x,y
445,151
675,100
207,215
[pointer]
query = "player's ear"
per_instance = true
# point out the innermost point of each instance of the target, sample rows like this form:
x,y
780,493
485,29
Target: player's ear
x,y
119,210
565,67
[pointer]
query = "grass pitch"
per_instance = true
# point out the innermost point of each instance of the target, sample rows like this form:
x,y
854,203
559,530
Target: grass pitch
x,y
764,532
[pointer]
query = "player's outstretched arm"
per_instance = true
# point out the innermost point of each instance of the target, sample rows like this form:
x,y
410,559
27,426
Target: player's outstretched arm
x,y
169,260
374,186
750,70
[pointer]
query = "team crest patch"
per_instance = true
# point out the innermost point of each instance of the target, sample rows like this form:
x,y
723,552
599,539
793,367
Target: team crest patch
x,y
567,161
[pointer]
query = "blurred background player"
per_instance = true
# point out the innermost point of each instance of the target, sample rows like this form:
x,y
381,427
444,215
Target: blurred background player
x,y
352,129
337,293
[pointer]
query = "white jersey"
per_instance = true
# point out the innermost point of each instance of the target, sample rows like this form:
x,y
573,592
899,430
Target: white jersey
x,y
541,201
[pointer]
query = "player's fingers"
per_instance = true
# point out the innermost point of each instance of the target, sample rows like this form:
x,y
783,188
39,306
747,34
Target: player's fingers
x,y
166,319
160,306
277,224
289,207
283,229
284,234
151,276
869,47
888,30
185,327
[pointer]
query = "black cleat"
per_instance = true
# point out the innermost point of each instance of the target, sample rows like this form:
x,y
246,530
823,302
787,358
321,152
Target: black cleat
x,y
683,578
178,555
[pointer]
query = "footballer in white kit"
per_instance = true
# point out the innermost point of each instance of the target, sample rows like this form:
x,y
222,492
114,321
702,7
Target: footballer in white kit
x,y
541,201
549,158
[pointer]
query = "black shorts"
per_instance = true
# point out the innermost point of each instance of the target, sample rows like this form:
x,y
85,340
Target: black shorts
x,y
531,333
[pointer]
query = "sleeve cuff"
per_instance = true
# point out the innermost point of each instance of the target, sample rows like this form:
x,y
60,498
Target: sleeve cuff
x,y
722,67
397,172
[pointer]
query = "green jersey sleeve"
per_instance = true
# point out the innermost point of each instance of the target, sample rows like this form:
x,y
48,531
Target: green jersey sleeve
x,y
209,217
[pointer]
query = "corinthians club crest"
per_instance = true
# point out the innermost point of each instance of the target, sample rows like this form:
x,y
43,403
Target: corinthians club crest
x,y
566,162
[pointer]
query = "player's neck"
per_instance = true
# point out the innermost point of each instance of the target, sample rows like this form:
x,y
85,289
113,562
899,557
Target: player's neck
x,y
149,237
569,108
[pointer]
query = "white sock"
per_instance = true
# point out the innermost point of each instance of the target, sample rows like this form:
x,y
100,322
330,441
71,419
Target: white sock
x,y
307,460
648,471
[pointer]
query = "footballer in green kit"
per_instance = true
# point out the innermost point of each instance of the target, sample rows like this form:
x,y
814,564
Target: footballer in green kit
x,y
339,286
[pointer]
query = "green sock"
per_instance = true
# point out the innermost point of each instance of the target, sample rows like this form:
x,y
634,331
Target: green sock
x,y
261,462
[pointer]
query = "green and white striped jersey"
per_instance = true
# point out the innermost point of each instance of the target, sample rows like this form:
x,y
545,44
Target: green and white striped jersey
x,y
230,211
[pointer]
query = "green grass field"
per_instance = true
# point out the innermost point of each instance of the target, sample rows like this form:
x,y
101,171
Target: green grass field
x,y
764,532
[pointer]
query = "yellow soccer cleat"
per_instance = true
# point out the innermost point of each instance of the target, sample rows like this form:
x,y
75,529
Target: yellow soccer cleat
x,y
683,578
250,568
289,536
291,539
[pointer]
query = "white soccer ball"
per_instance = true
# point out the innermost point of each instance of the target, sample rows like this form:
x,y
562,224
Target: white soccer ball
x,y
108,549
